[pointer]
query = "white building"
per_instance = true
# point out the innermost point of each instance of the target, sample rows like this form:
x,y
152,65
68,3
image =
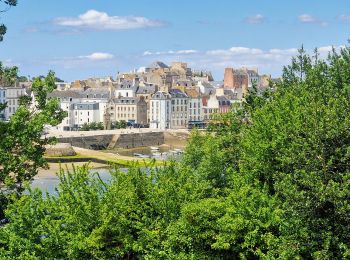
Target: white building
x,y
13,95
82,106
127,88
160,110
85,113
253,78
205,88
2,101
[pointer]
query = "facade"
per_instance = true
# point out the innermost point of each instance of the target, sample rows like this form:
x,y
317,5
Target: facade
x,y
179,109
194,106
160,111
234,78
85,113
82,106
13,95
132,110
127,88
205,88
219,104
2,101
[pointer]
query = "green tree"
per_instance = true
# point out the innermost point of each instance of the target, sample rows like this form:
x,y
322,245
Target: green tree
x,y
22,146
8,75
5,5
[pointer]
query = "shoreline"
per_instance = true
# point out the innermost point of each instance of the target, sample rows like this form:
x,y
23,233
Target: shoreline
x,y
55,167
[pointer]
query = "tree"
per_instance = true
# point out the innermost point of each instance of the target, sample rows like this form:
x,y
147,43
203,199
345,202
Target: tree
x,y
22,146
5,5
298,146
8,75
269,180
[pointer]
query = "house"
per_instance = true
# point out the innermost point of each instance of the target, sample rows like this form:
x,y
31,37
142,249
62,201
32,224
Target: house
x,y
13,95
160,110
179,109
195,107
2,101
130,109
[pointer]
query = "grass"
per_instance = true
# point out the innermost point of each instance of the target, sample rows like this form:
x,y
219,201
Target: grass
x,y
118,161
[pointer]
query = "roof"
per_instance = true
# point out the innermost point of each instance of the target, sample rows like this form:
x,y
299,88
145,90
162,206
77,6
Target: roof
x,y
80,93
176,93
223,101
66,93
192,93
149,89
161,95
157,65
126,100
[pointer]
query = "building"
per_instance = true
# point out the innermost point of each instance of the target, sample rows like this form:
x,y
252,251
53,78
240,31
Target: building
x,y
160,110
130,109
205,88
2,101
179,109
85,113
82,106
13,95
127,88
195,107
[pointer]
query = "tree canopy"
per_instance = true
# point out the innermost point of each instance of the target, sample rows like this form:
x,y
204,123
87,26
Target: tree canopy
x,y
5,5
22,145
270,179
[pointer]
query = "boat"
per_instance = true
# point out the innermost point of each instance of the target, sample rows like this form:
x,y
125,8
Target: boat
x,y
157,154
140,155
154,148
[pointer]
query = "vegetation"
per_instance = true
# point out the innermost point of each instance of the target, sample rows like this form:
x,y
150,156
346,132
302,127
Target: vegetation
x,y
271,180
122,124
92,126
5,5
21,144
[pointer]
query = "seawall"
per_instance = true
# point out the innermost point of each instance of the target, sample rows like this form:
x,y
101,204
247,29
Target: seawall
x,y
110,141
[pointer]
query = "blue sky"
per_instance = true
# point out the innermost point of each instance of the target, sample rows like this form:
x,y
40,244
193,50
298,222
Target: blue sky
x,y
86,38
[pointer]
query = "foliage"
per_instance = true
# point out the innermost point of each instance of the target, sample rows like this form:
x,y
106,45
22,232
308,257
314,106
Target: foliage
x,y
21,144
5,4
268,180
8,75
122,124
92,126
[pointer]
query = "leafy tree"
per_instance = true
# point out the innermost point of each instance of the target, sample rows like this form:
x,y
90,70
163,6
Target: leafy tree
x,y
22,146
22,79
5,5
269,180
8,75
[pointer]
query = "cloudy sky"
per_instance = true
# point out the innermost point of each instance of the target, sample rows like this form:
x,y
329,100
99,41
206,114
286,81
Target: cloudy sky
x,y
87,38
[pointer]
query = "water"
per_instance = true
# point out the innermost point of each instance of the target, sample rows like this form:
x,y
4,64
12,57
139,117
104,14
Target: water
x,y
50,183
163,152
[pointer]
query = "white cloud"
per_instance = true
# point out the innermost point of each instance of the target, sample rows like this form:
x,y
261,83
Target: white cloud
x,y
95,20
98,56
268,61
344,17
307,18
149,53
255,19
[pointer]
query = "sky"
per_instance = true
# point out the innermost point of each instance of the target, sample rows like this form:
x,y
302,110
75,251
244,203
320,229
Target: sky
x,y
96,38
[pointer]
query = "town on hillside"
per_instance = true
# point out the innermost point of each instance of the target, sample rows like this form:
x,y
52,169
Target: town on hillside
x,y
158,96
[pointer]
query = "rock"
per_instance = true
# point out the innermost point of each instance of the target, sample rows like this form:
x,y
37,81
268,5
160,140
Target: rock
x,y
60,149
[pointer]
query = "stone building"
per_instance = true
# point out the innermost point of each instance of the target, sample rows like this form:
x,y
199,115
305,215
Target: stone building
x,y
130,109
